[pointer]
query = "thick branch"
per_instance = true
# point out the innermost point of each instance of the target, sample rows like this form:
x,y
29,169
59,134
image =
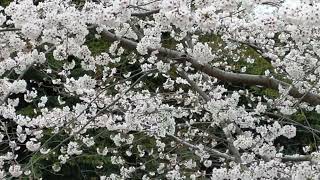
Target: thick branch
x,y
145,14
235,78
296,158
9,29
249,79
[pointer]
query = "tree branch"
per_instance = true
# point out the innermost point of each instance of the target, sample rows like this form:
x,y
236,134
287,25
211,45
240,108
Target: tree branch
x,y
145,14
214,151
184,75
9,29
228,134
296,158
235,78
5,98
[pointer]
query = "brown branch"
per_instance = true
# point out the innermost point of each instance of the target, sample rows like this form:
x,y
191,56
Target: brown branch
x,y
9,29
184,75
249,79
228,134
296,158
145,14
235,78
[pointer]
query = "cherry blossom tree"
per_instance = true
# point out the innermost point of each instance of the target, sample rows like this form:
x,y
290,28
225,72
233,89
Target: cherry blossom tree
x,y
160,89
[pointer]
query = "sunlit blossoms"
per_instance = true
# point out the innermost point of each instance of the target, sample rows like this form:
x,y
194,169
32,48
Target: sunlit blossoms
x,y
164,89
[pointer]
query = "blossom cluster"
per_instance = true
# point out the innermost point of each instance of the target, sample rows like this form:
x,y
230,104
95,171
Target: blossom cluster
x,y
151,88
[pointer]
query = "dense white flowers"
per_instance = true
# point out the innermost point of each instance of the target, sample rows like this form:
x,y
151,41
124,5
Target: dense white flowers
x,y
31,31
148,42
88,141
288,131
15,170
102,152
73,149
202,52
83,85
18,86
243,142
43,101
2,18
161,89
33,146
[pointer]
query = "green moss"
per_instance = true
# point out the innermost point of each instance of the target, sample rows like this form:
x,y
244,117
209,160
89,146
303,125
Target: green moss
x,y
260,64
298,117
54,64
214,41
168,41
258,67
97,46
5,2
27,111
217,44
271,92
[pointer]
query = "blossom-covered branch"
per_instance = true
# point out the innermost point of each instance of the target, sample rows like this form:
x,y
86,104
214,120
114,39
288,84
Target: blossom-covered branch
x,y
231,77
160,89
